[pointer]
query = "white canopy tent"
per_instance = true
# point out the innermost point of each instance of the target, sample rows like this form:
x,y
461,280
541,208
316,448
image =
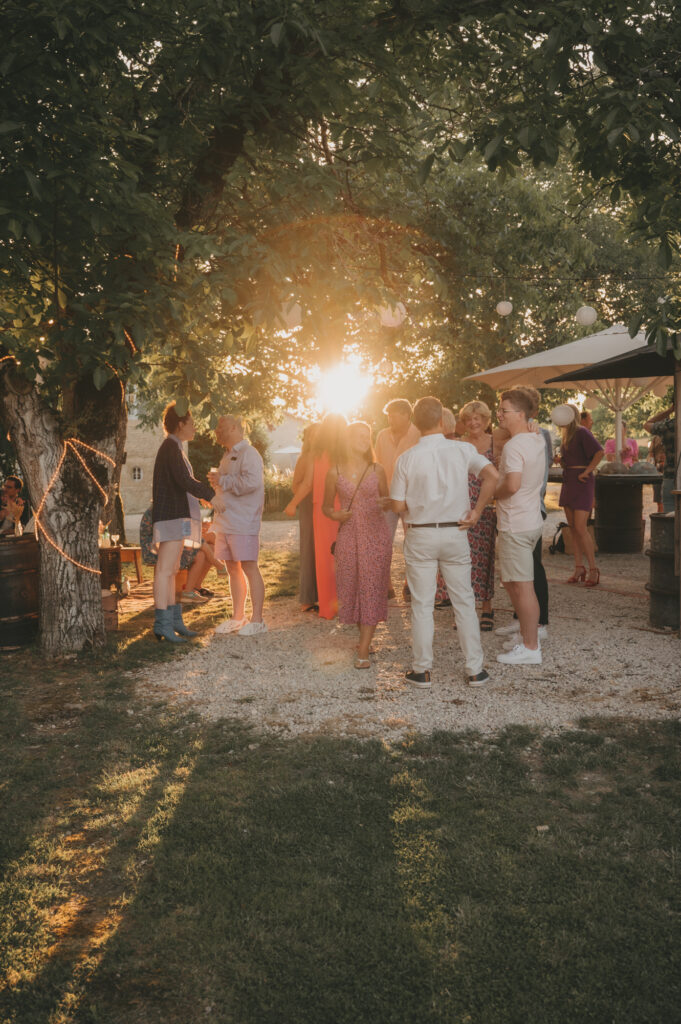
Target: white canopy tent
x,y
617,394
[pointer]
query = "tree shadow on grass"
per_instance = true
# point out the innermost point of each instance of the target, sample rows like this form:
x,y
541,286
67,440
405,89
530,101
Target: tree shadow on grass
x,y
256,879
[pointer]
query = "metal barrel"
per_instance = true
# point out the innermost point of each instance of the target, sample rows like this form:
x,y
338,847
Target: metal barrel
x,y
19,591
619,514
663,585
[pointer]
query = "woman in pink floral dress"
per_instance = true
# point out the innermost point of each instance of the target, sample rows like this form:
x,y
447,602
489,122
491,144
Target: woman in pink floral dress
x,y
363,544
476,418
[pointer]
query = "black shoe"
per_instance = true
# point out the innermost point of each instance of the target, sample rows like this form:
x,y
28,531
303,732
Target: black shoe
x,y
406,593
420,679
479,680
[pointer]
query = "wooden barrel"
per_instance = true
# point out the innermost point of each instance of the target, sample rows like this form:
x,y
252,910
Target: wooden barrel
x,y
110,566
663,585
619,513
19,591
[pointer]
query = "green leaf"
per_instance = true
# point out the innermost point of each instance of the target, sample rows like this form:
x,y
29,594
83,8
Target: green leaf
x,y
635,324
181,406
276,32
15,227
33,232
8,126
424,169
614,135
100,377
664,254
492,147
457,150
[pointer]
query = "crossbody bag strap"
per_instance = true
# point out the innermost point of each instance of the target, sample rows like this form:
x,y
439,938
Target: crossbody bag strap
x,y
357,487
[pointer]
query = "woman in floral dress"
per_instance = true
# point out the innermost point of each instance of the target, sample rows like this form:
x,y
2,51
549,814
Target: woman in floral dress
x,y
363,543
476,418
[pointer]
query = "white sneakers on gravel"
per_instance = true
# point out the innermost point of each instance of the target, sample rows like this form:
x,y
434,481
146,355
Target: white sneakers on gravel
x,y
253,628
231,625
520,655
542,634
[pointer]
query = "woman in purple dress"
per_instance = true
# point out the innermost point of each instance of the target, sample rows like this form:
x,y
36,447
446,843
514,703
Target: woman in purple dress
x,y
364,544
580,454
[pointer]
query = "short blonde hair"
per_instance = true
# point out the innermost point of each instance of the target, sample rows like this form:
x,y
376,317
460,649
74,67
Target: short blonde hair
x,y
471,408
449,421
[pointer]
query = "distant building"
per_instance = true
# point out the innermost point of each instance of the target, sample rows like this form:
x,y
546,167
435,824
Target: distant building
x,y
141,445
285,441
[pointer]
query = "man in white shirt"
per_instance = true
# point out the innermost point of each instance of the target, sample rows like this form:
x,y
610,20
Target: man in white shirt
x,y
519,522
430,488
239,482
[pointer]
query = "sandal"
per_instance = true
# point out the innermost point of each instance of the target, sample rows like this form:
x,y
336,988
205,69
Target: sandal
x,y
362,663
578,576
591,582
487,622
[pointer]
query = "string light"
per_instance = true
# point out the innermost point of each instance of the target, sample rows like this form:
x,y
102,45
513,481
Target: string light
x,y
133,346
70,445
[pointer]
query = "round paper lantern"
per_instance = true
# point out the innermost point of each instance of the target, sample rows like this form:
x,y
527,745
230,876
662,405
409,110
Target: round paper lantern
x,y
392,316
562,415
591,402
504,308
586,316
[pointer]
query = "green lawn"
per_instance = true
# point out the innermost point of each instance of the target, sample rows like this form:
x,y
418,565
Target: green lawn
x,y
160,869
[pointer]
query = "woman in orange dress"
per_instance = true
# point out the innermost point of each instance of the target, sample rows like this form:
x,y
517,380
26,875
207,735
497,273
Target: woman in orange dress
x,y
329,450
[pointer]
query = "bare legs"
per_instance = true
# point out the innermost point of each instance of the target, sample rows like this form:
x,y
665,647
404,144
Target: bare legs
x,y
242,577
581,538
197,570
167,565
366,635
526,607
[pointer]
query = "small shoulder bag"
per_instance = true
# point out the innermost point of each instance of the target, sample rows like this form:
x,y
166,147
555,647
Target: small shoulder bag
x,y
333,546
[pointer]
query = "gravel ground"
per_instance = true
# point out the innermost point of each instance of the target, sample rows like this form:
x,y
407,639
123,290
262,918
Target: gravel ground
x,y
601,659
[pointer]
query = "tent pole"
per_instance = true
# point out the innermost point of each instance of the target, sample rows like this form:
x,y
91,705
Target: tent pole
x,y
618,420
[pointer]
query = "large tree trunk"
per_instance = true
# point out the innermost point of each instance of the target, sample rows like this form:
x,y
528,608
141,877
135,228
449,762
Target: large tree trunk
x,y
66,501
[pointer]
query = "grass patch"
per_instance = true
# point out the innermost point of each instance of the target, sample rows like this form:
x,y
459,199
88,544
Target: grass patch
x,y
159,869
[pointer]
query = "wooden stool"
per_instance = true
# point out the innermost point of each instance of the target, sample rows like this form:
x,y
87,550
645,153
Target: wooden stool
x,y
133,555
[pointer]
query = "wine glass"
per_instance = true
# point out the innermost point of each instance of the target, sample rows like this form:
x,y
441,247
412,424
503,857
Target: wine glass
x,y
115,537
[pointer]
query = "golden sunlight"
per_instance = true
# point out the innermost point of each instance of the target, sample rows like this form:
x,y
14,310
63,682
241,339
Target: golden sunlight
x,y
342,388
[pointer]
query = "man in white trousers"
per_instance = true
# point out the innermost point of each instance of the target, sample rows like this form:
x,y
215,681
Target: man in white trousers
x,y
430,489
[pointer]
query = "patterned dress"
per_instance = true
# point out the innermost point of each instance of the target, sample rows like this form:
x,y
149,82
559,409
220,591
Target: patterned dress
x,y
363,552
481,539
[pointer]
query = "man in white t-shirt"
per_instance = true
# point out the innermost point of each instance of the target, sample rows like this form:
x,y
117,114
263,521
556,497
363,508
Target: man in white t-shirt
x,y
430,489
519,521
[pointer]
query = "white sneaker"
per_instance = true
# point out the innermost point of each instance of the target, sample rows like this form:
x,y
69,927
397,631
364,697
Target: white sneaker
x,y
509,630
231,625
253,628
542,634
520,655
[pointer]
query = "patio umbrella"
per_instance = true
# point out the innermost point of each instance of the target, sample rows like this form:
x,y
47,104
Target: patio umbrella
x,y
568,362
536,369
622,380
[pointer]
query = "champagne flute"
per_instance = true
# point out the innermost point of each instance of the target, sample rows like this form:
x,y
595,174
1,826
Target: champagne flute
x,y
115,537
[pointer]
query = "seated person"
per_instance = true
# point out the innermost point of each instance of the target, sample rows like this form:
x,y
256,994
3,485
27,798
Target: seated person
x,y
14,512
197,561
628,454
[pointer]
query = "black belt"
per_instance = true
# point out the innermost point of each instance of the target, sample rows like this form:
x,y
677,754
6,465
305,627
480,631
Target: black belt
x,y
436,526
